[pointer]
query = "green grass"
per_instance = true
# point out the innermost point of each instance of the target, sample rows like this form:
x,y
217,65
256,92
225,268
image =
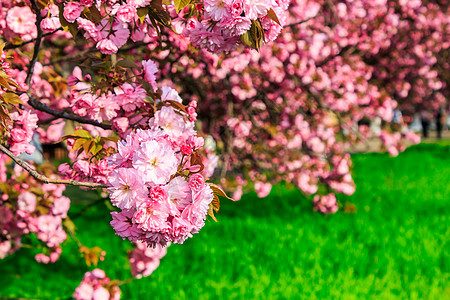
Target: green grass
x,y
396,246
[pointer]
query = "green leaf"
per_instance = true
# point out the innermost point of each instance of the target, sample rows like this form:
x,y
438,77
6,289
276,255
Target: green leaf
x,y
126,63
96,149
254,37
12,98
180,4
69,225
78,144
82,133
245,38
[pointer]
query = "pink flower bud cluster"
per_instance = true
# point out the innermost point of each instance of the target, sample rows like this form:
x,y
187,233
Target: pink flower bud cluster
x,y
85,170
26,207
156,184
21,133
392,142
96,286
325,204
119,105
144,260
50,21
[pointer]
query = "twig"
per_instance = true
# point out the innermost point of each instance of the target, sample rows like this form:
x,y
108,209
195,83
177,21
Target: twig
x,y
298,23
126,281
15,46
45,179
62,114
37,45
333,11
340,53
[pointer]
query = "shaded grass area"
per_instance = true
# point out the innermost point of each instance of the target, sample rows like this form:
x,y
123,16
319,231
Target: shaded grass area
x,y
397,245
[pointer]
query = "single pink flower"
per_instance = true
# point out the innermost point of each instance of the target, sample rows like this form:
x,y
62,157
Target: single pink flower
x,y
72,11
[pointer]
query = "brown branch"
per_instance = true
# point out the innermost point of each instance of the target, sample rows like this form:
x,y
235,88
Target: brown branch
x,y
62,114
15,46
37,45
298,23
45,179
346,49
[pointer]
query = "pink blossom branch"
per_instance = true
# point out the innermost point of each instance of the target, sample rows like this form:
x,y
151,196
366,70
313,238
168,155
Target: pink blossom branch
x,y
45,179
62,114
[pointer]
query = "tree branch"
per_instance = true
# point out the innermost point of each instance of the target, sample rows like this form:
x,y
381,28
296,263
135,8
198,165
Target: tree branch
x,y
37,45
298,23
44,179
62,114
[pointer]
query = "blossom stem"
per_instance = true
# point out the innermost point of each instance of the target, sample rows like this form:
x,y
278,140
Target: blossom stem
x,y
45,179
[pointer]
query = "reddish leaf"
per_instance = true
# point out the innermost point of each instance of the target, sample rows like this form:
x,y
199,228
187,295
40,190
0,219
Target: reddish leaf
x,y
219,191
271,14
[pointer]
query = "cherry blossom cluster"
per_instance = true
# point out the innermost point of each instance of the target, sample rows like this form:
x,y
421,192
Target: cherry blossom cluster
x,y
156,184
106,23
144,260
24,123
325,204
96,286
127,107
222,25
27,207
215,25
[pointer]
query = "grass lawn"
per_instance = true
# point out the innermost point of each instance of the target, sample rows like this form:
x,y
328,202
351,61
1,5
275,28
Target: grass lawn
x,y
397,244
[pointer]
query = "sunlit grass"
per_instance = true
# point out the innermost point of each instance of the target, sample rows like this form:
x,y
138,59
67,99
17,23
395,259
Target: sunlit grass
x,y
397,244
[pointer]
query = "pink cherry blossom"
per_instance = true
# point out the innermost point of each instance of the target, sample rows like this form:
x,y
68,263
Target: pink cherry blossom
x,y
150,69
72,11
21,20
156,161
